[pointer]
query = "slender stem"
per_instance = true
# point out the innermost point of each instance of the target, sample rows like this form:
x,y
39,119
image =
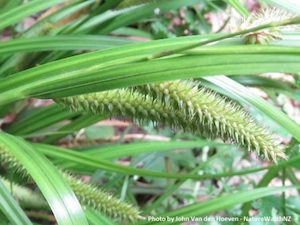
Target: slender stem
x,y
291,176
283,196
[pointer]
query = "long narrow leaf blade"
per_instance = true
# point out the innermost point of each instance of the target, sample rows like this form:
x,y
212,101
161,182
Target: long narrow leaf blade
x,y
60,43
111,69
11,209
13,16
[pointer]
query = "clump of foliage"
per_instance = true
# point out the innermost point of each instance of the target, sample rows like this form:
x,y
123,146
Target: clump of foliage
x,y
85,61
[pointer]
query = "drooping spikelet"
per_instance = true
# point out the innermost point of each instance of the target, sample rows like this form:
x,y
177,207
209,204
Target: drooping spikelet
x,y
216,116
265,15
88,195
181,104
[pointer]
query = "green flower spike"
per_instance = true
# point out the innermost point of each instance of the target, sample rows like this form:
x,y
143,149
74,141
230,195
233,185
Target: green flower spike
x,y
180,104
88,195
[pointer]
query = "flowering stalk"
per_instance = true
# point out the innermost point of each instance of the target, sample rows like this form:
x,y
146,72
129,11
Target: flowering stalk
x,y
180,104
102,201
88,195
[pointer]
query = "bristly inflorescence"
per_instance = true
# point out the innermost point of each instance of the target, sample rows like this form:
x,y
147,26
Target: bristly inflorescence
x,y
181,104
103,201
88,195
124,102
216,116
265,15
